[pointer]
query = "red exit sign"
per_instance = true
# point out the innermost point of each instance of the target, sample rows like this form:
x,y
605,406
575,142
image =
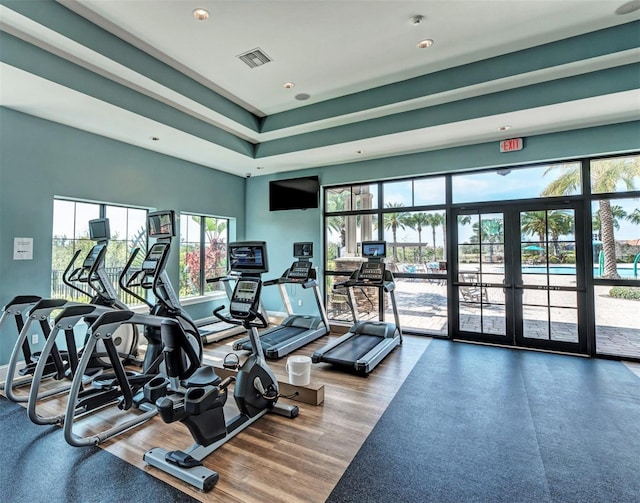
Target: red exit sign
x,y
511,145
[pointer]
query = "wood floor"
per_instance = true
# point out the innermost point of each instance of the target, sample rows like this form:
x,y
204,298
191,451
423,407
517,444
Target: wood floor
x,y
279,459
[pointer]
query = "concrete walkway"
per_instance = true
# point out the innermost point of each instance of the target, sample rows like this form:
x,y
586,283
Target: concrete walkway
x,y
422,305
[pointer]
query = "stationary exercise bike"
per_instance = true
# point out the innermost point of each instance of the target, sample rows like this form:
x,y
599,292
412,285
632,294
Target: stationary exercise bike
x,y
201,408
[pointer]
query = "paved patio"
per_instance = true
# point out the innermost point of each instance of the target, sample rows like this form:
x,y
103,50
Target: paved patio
x,y
422,305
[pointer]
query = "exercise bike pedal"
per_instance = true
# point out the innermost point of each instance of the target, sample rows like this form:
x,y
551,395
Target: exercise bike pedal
x,y
231,361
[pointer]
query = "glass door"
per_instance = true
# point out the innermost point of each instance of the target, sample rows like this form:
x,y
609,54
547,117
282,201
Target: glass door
x,y
480,277
549,279
519,277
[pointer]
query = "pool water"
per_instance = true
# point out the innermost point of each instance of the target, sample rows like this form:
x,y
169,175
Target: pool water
x,y
624,272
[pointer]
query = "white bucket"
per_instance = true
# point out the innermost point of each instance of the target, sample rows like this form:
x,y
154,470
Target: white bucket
x,y
299,368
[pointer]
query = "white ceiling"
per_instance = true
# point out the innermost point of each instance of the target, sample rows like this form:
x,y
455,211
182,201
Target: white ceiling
x,y
328,49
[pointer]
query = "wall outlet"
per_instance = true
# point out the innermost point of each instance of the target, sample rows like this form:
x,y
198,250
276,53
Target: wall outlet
x,y
299,302
34,338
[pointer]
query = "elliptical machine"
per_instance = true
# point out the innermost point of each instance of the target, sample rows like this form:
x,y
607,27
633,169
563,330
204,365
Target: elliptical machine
x,y
52,362
126,389
201,408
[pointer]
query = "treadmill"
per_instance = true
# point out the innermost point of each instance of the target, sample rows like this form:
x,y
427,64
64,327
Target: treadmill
x,y
217,330
296,330
366,343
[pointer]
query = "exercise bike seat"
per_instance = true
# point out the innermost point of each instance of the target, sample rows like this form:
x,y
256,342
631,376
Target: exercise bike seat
x,y
204,376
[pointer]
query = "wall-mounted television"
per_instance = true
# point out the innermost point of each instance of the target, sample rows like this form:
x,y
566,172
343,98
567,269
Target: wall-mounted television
x,y
294,193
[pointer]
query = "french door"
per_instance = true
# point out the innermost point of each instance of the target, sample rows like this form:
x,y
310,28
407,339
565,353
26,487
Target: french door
x,y
519,276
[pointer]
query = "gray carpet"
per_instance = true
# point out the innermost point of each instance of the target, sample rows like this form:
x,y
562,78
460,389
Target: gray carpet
x,y
38,466
482,424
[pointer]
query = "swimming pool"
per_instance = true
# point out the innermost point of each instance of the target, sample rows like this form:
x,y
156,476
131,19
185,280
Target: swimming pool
x,y
624,271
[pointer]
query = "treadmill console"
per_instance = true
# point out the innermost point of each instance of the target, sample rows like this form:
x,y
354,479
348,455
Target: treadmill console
x,y
299,271
245,298
371,273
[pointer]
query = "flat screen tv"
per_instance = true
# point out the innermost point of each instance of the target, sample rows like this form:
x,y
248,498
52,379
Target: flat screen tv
x,y
161,224
99,229
294,193
374,249
248,257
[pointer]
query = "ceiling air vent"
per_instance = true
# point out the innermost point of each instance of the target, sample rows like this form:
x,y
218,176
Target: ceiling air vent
x,y
254,58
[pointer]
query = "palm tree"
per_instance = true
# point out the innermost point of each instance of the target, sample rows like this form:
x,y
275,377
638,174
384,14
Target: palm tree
x,y
394,220
444,235
488,231
634,217
606,176
617,212
336,202
417,221
435,220
559,222
534,223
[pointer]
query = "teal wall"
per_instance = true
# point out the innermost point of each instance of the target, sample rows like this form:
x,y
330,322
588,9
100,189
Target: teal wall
x,y
280,229
40,159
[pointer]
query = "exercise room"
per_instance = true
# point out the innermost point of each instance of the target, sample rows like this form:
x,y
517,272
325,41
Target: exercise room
x,y
320,251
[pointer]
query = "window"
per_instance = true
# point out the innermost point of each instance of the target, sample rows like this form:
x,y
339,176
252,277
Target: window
x,y
527,182
71,232
203,253
410,216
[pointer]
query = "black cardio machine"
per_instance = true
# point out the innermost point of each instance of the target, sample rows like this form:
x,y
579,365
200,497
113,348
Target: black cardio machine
x,y
367,342
60,364
218,330
201,408
127,389
296,330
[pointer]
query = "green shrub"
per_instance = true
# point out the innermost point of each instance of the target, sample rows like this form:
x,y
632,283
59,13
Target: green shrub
x,y
625,292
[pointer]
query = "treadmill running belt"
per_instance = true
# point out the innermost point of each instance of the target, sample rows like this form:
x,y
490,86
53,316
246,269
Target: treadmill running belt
x,y
352,349
276,337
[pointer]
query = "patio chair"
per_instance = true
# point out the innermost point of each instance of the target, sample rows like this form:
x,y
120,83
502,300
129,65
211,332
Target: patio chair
x,y
475,294
339,302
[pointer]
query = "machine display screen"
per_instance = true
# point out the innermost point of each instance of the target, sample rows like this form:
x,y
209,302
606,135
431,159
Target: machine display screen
x,y
303,250
93,255
250,257
246,290
377,249
99,229
153,257
161,224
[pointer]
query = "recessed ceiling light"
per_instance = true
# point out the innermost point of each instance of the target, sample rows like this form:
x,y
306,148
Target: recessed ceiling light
x,y
416,20
423,44
628,8
201,14
288,85
359,152
260,167
504,128
302,96
155,138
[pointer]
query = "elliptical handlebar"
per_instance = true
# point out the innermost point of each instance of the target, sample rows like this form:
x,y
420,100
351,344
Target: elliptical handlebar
x,y
92,274
247,322
68,278
126,284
